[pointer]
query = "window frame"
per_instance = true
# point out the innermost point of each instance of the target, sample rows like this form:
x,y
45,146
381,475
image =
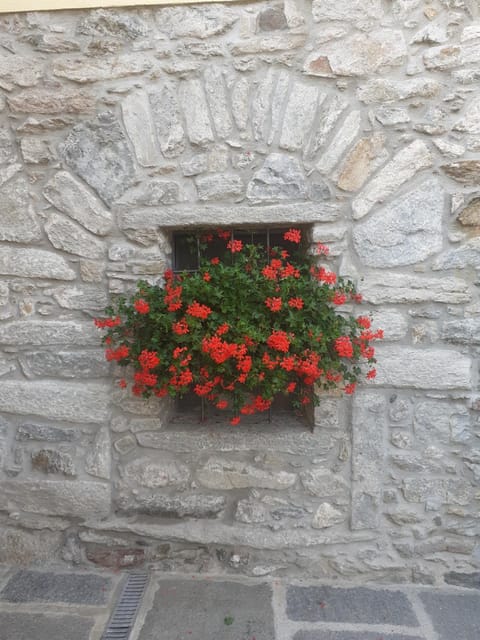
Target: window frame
x,y
20,6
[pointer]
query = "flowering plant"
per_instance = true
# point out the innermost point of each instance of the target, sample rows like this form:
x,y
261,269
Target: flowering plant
x,y
245,327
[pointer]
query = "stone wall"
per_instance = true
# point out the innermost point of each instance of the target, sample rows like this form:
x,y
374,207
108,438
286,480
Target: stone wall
x,y
357,118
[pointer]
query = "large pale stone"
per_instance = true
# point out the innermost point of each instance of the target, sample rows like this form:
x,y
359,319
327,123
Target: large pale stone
x,y
18,71
466,255
328,117
195,109
57,400
280,178
363,159
462,331
65,364
140,128
180,506
402,288
193,216
217,100
69,196
324,484
219,186
240,94
403,166
261,105
34,263
195,22
100,155
422,368
351,10
464,171
18,221
45,101
286,440
49,332
393,323
98,458
78,499
299,115
327,516
116,24
83,70
223,474
70,237
341,142
168,123
388,90
213,532
469,216
154,473
369,427
405,232
358,55
82,298
278,101
268,44
53,461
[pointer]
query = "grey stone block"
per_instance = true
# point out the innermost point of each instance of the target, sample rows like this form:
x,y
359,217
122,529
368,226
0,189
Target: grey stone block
x,y
35,586
471,580
199,609
454,617
25,626
359,605
350,635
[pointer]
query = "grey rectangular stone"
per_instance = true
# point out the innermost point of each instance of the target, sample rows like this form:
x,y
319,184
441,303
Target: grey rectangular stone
x,y
198,609
358,605
37,626
351,635
454,617
37,586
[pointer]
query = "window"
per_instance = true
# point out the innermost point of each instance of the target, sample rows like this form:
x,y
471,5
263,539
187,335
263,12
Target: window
x,y
10,6
187,251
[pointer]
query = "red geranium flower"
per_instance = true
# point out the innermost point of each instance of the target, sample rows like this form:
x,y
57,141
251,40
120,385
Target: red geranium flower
x,y
141,306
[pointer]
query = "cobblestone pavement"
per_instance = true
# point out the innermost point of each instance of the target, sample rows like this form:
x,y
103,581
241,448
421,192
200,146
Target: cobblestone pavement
x,y
77,605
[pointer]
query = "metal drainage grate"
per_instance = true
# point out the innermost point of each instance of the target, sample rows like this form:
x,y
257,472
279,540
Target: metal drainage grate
x,y
123,618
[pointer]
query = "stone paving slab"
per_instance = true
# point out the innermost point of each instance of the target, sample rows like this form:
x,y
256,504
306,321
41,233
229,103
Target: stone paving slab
x,y
351,635
202,609
358,605
38,626
454,617
70,588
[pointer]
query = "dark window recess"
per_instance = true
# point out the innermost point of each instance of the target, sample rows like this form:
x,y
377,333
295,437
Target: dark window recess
x,y
187,251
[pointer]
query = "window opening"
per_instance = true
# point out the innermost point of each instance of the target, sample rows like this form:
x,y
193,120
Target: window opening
x,y
188,251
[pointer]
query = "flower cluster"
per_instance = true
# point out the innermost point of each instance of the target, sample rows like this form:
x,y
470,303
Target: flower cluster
x,y
246,327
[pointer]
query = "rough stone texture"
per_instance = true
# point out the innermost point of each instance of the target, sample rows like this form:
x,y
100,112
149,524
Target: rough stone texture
x,y
406,232
100,155
61,401
368,458
220,473
404,367
358,55
34,263
18,221
52,497
119,127
280,178
402,167
70,197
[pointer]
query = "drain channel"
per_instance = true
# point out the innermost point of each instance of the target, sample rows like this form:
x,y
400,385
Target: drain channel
x,y
123,618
